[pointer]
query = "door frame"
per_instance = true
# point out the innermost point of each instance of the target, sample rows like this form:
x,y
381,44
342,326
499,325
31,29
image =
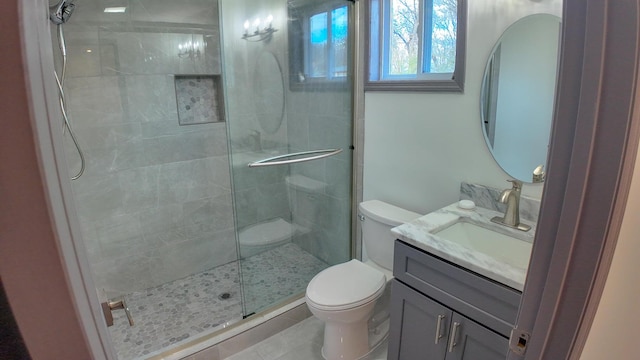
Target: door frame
x,y
566,277
591,159
46,122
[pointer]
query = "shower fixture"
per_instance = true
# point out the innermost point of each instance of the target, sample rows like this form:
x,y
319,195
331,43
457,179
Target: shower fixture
x,y
60,14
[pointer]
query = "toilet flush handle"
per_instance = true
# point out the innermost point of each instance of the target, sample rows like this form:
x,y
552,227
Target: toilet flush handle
x,y
361,217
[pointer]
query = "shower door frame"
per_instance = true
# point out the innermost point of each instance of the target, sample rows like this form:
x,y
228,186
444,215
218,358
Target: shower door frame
x,y
356,107
39,66
38,61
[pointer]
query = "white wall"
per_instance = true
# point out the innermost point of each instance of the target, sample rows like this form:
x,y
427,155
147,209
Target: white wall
x,y
419,147
151,185
528,63
614,330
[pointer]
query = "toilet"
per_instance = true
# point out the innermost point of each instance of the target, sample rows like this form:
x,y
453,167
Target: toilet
x,y
343,296
263,236
302,196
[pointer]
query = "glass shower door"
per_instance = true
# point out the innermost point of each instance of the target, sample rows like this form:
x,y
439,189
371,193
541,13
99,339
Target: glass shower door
x,y
288,80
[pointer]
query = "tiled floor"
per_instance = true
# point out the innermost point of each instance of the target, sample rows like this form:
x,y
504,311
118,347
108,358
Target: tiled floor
x,y
171,313
301,341
277,274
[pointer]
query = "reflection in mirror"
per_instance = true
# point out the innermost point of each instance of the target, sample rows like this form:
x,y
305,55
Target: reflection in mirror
x,y
318,44
268,92
518,92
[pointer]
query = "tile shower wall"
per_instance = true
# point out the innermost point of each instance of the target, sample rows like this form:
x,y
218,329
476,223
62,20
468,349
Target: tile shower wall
x,y
155,200
199,99
321,117
313,119
320,120
260,193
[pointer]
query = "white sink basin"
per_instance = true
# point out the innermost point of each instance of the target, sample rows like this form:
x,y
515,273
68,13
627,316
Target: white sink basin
x,y
503,247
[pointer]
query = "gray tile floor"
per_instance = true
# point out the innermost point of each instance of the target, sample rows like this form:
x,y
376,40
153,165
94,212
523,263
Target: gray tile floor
x,y
277,274
185,308
302,341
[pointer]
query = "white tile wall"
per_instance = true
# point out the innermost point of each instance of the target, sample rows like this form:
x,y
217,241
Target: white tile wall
x,y
155,199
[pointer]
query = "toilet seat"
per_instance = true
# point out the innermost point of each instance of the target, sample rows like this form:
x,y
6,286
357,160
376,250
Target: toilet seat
x,y
345,286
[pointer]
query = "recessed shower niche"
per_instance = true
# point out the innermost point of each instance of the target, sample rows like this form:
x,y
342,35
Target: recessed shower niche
x,y
199,99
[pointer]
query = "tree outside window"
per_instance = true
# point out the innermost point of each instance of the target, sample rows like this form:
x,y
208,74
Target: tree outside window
x,y
415,40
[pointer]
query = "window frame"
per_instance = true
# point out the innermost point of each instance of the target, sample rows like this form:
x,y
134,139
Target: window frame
x,y
330,51
299,47
435,82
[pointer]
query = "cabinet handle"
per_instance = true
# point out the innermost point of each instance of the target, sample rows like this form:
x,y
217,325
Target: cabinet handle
x,y
439,328
454,335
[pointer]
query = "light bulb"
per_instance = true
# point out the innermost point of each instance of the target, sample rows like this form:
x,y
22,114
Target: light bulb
x,y
269,19
246,24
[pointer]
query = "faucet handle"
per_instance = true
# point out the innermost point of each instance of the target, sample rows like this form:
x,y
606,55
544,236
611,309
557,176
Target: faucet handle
x,y
517,184
538,174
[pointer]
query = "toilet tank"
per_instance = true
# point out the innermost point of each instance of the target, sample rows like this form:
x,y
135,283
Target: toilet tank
x,y
377,220
305,199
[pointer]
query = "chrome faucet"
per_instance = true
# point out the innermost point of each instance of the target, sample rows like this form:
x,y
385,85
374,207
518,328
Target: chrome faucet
x,y
511,217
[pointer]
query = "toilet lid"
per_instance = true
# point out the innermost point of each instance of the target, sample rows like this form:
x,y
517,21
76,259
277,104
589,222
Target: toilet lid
x,y
345,286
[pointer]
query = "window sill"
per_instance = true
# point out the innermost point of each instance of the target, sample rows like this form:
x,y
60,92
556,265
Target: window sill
x,y
450,86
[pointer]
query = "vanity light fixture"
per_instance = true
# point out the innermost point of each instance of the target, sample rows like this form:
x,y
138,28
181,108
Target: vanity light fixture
x,y
119,9
259,34
190,49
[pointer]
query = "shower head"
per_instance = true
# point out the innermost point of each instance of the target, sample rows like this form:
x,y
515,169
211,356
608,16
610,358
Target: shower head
x,y
61,12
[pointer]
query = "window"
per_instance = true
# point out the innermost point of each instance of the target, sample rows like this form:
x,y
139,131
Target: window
x,y
327,45
319,45
416,45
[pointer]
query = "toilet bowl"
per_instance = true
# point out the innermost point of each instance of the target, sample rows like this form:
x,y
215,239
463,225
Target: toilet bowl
x,y
302,196
344,296
258,238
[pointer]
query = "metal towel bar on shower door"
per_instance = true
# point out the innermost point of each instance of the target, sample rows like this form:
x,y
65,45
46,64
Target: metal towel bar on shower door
x,y
277,160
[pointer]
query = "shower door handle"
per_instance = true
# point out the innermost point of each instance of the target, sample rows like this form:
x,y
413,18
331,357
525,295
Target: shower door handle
x,y
109,306
284,159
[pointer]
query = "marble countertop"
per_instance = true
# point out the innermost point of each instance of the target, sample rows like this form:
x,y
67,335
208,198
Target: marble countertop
x,y
419,233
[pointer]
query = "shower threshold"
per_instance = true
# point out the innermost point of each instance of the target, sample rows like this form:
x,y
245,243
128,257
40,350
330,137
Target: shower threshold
x,y
180,311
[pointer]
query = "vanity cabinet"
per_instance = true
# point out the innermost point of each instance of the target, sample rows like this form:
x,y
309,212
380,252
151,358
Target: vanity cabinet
x,y
425,329
441,311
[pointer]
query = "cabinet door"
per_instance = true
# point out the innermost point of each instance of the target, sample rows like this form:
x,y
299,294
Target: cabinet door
x,y
471,341
414,325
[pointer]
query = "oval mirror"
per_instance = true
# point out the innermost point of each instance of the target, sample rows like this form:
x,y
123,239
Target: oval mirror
x,y
268,89
518,91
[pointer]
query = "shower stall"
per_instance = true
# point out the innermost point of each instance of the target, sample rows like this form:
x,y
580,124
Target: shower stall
x,y
217,145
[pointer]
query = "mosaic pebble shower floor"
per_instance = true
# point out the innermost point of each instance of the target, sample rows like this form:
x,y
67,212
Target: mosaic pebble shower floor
x,y
171,313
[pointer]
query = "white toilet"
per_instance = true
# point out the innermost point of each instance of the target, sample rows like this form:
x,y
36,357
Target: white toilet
x,y
302,197
267,235
344,295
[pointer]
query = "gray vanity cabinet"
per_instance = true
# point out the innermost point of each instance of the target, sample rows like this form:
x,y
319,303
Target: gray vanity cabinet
x,y
414,323
475,342
440,311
